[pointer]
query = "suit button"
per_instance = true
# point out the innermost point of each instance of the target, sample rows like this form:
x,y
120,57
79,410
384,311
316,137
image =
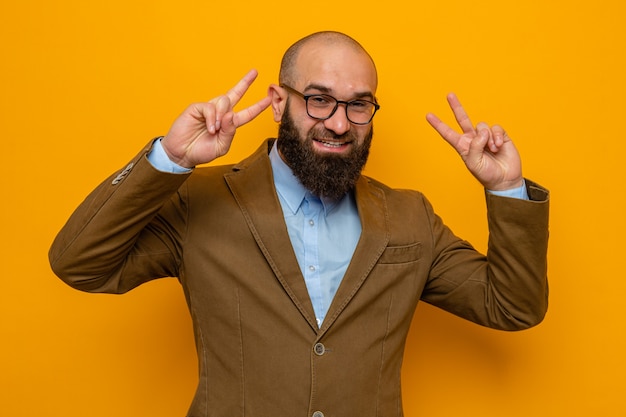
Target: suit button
x,y
318,414
319,350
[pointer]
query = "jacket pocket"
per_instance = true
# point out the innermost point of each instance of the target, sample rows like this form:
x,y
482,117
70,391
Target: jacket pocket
x,y
401,254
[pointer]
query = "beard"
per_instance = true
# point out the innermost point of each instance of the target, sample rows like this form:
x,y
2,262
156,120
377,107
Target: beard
x,y
331,175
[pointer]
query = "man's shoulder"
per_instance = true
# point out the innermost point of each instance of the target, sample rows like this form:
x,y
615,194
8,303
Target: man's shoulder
x,y
389,189
393,195
219,170
209,171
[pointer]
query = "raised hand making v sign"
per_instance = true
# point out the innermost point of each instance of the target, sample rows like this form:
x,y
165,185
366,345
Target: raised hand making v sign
x,y
488,152
205,131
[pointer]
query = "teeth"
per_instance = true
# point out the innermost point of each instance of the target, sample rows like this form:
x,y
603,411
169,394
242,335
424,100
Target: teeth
x,y
331,144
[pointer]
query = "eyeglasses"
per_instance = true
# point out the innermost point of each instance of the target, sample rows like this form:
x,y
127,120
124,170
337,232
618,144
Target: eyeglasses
x,y
323,106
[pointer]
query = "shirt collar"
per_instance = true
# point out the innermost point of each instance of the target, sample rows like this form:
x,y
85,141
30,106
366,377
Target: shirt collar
x,y
289,187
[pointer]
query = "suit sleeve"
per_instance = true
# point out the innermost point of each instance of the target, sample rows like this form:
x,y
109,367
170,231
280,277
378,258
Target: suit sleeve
x,y
508,288
126,232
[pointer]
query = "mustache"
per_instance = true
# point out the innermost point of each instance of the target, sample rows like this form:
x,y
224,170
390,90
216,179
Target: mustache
x,y
323,133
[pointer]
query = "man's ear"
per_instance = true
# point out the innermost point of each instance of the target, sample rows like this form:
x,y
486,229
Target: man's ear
x,y
279,101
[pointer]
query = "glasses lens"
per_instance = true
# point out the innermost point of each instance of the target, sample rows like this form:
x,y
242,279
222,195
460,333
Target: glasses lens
x,y
321,106
360,111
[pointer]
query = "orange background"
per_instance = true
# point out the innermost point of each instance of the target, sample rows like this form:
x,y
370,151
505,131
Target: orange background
x,y
85,84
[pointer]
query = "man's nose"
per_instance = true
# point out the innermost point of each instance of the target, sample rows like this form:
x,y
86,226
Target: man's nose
x,y
338,122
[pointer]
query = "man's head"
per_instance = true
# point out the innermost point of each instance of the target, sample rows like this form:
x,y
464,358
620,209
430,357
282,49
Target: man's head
x,y
326,155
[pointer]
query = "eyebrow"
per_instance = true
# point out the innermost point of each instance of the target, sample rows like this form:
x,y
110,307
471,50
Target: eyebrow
x,y
325,90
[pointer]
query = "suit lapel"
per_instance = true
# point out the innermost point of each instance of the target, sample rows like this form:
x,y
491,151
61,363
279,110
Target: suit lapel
x,y
252,185
372,208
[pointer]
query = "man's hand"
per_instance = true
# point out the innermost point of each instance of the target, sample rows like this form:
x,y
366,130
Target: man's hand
x,y
205,131
488,152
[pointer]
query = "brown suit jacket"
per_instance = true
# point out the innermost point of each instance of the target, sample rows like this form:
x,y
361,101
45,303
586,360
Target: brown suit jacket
x,y
222,232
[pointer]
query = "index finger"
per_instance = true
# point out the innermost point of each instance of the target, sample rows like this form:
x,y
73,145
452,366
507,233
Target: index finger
x,y
460,114
445,131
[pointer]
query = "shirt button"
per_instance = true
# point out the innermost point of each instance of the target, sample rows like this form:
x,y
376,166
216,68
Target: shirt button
x,y
318,414
311,222
311,268
319,350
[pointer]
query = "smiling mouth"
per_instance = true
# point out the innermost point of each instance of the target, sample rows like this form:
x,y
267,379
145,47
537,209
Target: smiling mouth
x,y
329,143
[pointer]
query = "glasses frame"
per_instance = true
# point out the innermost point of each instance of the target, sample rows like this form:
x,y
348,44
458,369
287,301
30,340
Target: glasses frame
x,y
306,98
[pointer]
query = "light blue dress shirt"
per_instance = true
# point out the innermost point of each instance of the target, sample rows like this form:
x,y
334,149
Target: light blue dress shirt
x,y
323,233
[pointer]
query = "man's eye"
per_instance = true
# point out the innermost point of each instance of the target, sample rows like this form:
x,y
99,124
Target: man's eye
x,y
361,106
320,101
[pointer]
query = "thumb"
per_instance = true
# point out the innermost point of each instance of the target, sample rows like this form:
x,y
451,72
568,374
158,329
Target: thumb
x,y
480,141
477,148
228,124
222,107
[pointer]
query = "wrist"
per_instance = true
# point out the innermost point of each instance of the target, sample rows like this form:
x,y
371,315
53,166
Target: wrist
x,y
159,158
506,185
520,192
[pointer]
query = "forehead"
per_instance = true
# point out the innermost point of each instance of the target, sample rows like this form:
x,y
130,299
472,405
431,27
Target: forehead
x,y
341,68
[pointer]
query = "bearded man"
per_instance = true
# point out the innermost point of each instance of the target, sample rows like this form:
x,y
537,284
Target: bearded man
x,y
301,274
